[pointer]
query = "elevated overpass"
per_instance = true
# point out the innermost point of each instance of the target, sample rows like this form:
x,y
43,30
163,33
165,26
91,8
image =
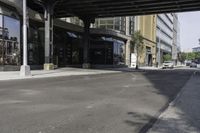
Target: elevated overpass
x,y
111,8
88,10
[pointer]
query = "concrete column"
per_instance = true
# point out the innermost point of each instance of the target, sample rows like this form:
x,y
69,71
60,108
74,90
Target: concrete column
x,y
128,47
128,53
159,49
127,26
25,69
48,37
86,41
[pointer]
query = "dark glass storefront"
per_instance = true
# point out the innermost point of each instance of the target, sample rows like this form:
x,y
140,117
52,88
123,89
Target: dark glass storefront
x,y
101,52
35,44
68,48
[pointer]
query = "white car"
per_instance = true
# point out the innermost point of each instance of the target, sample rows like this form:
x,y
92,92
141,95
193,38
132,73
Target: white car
x,y
168,64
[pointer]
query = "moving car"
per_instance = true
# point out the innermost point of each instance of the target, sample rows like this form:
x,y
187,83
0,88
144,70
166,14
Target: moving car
x,y
168,64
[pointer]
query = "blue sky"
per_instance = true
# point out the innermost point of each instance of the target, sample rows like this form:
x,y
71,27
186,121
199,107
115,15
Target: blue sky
x,y
189,30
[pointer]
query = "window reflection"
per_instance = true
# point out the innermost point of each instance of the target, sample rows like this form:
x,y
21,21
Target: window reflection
x,y
1,40
119,52
9,41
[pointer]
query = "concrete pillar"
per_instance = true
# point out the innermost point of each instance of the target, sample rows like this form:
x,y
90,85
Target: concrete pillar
x,y
159,49
127,26
128,53
128,45
86,41
48,18
25,69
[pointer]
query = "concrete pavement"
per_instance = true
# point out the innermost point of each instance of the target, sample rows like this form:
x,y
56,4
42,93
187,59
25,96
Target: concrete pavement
x,y
183,114
13,75
122,102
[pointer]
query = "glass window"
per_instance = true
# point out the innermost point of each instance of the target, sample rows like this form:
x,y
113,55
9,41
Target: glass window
x,y
103,22
109,26
1,40
103,26
118,52
11,33
110,22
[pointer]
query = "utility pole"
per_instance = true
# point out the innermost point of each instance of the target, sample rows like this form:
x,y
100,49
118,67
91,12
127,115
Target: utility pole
x,y
25,69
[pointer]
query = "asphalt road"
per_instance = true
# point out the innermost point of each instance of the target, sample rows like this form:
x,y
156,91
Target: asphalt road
x,y
110,103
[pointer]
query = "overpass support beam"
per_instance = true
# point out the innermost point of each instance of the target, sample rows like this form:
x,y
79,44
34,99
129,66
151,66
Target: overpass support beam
x,y
86,41
48,18
25,68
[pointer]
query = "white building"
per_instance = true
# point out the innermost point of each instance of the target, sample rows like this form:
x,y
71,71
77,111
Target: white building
x,y
196,49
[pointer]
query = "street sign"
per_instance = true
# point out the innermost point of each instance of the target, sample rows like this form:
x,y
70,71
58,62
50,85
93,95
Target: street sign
x,y
133,60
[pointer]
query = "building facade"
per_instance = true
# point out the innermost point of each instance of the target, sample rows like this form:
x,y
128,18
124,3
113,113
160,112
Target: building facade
x,y
164,36
107,47
109,40
124,25
176,39
161,35
10,29
147,26
196,49
168,36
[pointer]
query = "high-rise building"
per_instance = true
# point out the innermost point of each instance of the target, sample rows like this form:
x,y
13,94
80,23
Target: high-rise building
x,y
161,34
176,38
165,34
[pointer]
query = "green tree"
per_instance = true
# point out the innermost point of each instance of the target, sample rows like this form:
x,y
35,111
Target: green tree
x,y
167,57
137,44
197,55
190,56
182,57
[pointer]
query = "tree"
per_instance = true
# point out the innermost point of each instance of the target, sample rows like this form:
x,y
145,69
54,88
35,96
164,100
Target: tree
x,y
167,57
190,56
137,44
182,57
197,55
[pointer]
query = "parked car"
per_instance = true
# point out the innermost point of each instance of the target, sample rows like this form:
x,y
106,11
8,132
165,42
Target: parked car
x,y
168,64
193,64
188,62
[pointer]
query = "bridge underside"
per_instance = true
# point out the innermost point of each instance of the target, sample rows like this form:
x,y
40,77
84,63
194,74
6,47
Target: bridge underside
x,y
110,8
88,10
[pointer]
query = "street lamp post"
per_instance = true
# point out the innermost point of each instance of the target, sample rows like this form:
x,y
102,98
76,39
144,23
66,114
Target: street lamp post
x,y
25,69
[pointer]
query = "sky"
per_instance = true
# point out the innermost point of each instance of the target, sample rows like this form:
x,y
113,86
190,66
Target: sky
x,y
189,30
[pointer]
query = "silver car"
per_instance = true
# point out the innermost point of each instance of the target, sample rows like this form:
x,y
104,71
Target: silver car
x,y
168,64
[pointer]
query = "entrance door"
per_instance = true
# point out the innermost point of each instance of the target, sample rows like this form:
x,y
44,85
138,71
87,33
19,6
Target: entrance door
x,y
150,60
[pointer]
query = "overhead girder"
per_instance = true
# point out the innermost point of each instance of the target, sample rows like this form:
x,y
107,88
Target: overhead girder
x,y
110,8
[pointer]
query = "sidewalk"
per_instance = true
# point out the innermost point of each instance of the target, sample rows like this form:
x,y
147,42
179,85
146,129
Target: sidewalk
x,y
13,75
183,114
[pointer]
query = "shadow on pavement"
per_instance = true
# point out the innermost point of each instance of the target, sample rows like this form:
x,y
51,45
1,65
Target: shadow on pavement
x,y
168,85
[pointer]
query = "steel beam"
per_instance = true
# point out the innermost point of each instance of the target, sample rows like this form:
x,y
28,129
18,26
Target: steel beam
x,y
86,41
